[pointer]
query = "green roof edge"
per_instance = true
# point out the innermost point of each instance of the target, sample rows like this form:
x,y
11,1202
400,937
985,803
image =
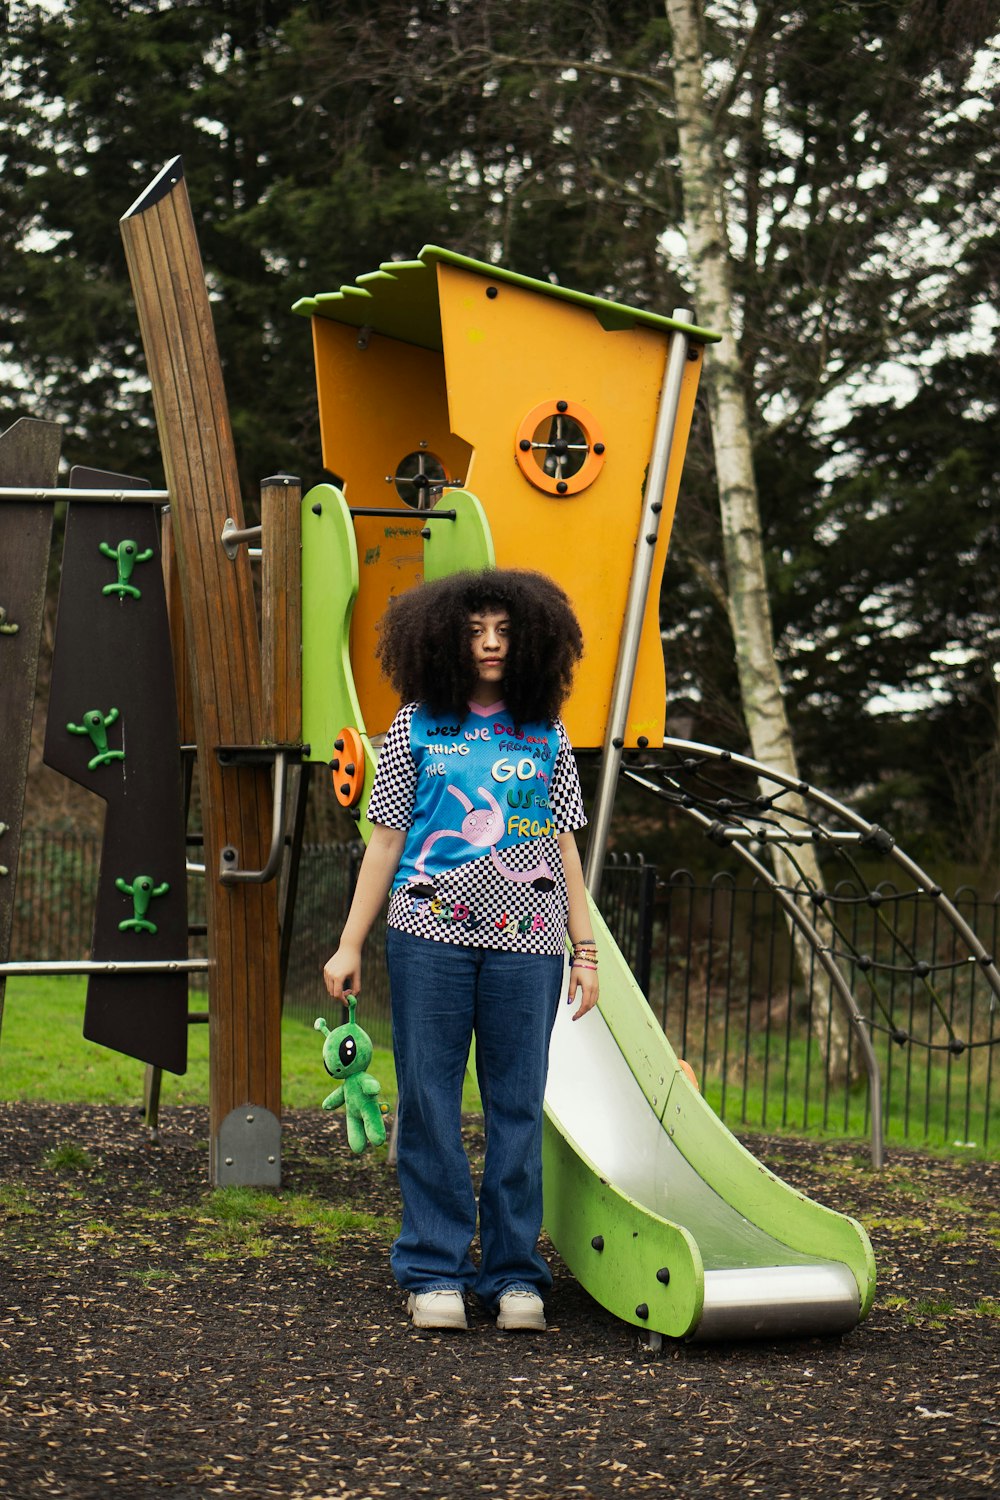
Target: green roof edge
x,y
604,309
432,253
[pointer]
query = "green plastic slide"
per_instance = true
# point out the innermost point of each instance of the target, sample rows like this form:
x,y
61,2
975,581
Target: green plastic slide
x,y
658,1210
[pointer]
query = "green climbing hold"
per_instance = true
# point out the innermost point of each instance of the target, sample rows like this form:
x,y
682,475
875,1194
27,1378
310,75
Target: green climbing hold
x,y
142,889
96,725
125,556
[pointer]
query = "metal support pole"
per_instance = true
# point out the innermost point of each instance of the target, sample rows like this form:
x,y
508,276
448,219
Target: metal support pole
x,y
129,497
642,569
32,967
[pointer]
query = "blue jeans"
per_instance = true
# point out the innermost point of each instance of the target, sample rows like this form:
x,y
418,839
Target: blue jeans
x,y
442,995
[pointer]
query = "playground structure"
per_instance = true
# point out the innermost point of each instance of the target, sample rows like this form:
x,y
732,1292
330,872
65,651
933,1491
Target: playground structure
x,y
473,417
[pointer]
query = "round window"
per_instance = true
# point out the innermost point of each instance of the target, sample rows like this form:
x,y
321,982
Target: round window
x,y
559,447
419,478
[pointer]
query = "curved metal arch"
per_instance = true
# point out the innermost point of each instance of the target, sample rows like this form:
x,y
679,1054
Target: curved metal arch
x,y
868,834
860,832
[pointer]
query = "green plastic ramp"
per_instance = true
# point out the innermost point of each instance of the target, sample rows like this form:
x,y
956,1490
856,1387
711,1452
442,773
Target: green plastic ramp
x,y
330,580
658,1210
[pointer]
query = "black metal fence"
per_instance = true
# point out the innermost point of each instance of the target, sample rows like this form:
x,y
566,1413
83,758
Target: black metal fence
x,y
57,886
54,896
717,962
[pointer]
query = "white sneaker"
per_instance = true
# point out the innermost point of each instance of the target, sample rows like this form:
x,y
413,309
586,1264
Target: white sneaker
x,y
521,1310
440,1309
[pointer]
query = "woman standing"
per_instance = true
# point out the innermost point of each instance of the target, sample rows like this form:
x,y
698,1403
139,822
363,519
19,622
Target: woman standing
x,y
474,806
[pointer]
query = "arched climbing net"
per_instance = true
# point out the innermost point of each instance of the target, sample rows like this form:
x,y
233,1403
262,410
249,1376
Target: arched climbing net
x,y
766,818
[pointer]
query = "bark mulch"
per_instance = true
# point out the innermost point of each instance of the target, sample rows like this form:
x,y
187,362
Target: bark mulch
x,y
158,1338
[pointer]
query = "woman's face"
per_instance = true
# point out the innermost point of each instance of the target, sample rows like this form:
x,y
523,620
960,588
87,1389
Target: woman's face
x,y
489,636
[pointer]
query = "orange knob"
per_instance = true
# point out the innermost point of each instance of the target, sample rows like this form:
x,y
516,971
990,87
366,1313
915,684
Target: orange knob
x,y
348,768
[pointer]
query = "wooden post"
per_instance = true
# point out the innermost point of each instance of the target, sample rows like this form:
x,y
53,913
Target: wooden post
x,y
178,643
224,656
29,455
281,669
281,608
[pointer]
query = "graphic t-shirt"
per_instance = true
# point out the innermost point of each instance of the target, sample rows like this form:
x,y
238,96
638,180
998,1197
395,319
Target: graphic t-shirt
x,y
482,801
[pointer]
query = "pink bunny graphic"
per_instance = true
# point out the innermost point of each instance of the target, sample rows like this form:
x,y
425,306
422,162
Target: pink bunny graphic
x,y
483,828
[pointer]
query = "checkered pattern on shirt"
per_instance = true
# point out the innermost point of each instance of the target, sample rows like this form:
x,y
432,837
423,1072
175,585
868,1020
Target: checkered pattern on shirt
x,y
564,793
395,784
501,905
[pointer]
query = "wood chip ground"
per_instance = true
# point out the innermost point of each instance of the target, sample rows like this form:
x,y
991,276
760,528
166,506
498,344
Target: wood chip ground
x,y
159,1339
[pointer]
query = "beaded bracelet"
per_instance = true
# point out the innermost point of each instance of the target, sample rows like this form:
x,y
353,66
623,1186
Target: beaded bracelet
x,y
576,964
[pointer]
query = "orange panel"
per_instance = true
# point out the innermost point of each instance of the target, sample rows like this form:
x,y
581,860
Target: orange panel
x,y
377,405
507,350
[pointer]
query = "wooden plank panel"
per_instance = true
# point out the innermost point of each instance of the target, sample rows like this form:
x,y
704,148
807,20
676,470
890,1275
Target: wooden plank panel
x,y
281,608
223,649
178,641
229,616
29,455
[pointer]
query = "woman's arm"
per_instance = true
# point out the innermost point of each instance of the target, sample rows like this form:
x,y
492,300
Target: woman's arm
x,y
385,847
582,980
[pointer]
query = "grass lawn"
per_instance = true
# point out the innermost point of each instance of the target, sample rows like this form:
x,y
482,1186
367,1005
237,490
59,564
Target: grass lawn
x,y
44,1056
778,1085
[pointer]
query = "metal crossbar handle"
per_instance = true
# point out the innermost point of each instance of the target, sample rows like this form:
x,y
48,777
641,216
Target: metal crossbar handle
x,y
233,536
733,835
105,966
143,497
229,860
403,515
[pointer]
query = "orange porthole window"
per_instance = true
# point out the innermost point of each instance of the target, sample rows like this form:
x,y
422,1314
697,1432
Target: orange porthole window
x,y
559,447
348,768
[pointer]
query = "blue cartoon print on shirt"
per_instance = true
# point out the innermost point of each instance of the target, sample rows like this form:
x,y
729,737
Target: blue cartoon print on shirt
x,y
483,828
488,872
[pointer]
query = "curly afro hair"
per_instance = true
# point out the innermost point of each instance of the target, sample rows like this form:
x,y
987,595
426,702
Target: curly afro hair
x,y
425,651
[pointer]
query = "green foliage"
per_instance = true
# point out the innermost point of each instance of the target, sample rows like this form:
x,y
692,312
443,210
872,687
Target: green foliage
x,y
859,145
233,1222
899,581
289,197
69,1157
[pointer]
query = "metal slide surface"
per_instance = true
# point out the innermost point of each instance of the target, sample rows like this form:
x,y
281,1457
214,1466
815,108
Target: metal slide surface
x,y
660,1212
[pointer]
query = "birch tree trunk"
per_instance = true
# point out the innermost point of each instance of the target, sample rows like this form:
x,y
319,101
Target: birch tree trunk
x,y
747,595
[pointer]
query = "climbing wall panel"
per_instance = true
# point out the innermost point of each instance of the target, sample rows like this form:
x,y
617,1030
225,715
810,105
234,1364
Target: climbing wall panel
x,y
112,728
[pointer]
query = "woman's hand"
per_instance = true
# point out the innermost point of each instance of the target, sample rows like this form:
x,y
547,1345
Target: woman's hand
x,y
342,973
582,983
582,978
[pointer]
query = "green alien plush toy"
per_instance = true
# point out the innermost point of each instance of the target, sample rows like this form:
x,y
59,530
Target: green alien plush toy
x,y
347,1052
